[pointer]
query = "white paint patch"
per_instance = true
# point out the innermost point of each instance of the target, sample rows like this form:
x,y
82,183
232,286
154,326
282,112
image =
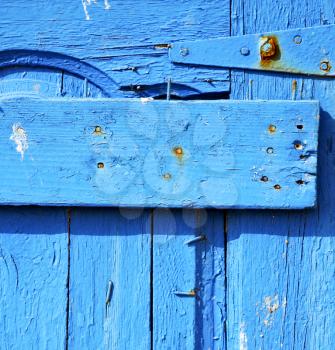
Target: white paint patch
x,y
268,310
146,99
243,337
19,136
87,3
107,5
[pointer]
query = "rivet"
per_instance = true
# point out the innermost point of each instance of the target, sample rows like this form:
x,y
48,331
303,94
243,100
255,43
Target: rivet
x,y
272,128
277,187
300,182
264,178
184,51
100,165
297,39
245,51
269,150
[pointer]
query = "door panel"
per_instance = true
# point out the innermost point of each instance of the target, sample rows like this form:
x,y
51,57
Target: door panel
x,y
188,279
110,279
33,272
280,269
115,45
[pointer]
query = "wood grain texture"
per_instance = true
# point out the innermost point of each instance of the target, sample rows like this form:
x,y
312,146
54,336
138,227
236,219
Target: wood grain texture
x,y
115,45
280,269
110,279
181,266
33,270
159,154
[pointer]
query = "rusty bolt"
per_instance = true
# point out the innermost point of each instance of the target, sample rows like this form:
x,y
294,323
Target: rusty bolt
x,y
268,48
184,51
325,66
245,51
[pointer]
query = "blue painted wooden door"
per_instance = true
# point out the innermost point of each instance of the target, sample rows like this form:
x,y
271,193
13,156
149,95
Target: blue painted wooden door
x,y
109,278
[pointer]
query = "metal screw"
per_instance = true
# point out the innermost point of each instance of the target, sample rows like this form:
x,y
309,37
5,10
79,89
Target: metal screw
x,y
297,39
195,239
245,51
184,51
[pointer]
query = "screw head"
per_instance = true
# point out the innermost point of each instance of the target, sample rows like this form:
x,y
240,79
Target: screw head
x,y
297,39
184,51
245,51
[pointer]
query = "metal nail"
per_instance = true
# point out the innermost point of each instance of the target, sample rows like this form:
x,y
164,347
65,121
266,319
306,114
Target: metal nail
x,y
195,239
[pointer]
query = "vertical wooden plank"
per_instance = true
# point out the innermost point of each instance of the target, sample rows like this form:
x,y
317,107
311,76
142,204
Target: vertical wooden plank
x,y
191,322
33,272
279,264
33,248
109,279
188,279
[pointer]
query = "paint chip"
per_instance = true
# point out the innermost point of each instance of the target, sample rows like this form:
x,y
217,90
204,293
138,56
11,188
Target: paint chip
x,y
243,337
146,99
19,136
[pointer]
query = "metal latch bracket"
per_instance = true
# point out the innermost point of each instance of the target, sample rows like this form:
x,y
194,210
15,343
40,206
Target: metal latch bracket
x,y
309,51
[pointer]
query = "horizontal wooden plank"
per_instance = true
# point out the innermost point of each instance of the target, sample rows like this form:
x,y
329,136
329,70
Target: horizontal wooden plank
x,y
121,41
232,154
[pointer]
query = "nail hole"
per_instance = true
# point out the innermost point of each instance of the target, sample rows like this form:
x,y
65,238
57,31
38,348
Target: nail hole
x,y
100,165
300,182
272,128
167,176
178,151
298,145
300,126
264,178
303,156
269,150
277,187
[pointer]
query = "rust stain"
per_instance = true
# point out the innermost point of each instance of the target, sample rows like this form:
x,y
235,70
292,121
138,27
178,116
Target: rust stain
x,y
272,129
269,51
294,89
162,46
178,152
192,293
167,176
98,131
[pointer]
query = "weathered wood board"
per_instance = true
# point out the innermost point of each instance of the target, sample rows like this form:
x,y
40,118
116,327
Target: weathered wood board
x,y
232,154
119,46
280,265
